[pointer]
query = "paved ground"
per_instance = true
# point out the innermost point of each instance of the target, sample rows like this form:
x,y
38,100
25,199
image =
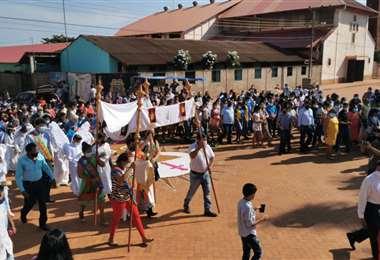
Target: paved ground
x,y
311,202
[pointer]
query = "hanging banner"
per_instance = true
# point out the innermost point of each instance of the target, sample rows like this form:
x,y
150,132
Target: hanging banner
x,y
164,116
117,116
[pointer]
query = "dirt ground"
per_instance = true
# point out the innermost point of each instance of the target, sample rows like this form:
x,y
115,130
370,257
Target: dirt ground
x,y
311,202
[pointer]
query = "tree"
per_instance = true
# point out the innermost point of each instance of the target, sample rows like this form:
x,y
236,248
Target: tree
x,y
57,38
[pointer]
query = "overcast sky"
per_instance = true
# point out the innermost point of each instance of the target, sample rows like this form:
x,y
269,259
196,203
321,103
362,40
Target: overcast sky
x,y
108,14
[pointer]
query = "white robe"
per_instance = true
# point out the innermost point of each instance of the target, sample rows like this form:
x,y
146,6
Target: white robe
x,y
73,153
61,168
11,153
105,153
3,175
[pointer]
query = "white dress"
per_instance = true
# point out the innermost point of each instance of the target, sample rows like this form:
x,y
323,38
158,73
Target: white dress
x,y
256,124
73,153
105,153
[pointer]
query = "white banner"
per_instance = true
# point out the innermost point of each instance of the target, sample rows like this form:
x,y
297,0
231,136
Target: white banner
x,y
117,115
163,116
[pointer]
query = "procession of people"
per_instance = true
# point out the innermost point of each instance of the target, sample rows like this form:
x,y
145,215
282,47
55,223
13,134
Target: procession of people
x,y
51,144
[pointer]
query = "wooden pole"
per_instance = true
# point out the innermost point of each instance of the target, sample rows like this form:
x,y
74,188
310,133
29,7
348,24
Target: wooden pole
x,y
198,122
99,89
140,93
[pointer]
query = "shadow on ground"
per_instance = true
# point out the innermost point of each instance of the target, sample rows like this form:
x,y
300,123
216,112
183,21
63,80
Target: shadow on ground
x,y
310,215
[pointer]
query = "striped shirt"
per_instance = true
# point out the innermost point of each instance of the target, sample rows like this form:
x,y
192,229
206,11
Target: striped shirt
x,y
119,192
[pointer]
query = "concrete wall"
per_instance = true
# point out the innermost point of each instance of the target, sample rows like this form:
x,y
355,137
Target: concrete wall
x,y
83,56
202,32
338,47
227,79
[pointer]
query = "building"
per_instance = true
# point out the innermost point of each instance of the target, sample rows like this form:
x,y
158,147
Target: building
x,y
261,65
335,30
26,67
374,22
31,58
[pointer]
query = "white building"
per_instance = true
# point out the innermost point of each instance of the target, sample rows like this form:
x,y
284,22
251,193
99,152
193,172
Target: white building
x,y
342,44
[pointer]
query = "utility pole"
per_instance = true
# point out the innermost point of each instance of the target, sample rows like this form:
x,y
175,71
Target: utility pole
x,y
311,45
64,18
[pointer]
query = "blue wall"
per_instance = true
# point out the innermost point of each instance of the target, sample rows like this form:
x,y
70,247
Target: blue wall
x,y
82,56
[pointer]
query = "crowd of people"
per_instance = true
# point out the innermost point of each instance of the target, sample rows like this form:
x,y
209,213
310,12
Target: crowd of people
x,y
29,150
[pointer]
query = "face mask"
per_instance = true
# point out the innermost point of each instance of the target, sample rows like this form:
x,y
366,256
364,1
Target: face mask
x,y
88,155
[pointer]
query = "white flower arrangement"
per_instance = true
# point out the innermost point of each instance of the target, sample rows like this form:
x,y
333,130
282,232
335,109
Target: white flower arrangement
x,y
209,60
233,59
182,59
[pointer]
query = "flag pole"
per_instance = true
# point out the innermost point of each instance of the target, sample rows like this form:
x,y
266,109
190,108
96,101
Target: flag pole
x,y
99,88
198,122
140,93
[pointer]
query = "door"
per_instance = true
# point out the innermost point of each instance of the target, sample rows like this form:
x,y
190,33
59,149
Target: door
x,y
351,70
359,71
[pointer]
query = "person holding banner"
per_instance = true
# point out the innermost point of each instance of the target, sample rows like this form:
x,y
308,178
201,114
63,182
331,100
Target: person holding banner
x,y
199,174
145,177
91,187
121,199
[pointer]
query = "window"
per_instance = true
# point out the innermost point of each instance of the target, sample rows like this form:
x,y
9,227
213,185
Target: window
x,y
290,71
156,36
274,72
257,73
355,18
369,60
328,61
303,70
191,75
215,76
353,38
238,74
174,35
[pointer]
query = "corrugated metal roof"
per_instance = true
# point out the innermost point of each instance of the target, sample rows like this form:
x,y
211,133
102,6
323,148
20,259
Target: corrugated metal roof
x,y
255,7
296,38
145,51
13,54
178,20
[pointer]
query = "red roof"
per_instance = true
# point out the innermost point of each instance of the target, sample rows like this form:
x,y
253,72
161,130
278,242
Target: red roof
x,y
255,7
178,20
296,38
13,54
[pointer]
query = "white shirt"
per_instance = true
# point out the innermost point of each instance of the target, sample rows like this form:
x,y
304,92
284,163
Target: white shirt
x,y
6,245
199,164
246,217
369,192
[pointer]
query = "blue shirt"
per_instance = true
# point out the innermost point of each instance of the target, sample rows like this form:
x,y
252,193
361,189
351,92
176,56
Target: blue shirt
x,y
31,170
272,110
228,115
305,117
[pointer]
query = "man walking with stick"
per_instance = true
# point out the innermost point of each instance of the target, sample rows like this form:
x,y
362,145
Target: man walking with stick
x,y
199,174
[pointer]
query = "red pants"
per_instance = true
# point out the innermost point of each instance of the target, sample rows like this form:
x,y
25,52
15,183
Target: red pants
x,y
117,208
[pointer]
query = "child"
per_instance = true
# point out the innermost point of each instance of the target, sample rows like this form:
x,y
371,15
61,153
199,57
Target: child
x,y
247,223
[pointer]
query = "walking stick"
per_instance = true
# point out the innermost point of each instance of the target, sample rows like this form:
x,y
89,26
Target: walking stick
x,y
198,122
99,89
140,93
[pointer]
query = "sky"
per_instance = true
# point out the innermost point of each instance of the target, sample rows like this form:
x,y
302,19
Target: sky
x,y
18,23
